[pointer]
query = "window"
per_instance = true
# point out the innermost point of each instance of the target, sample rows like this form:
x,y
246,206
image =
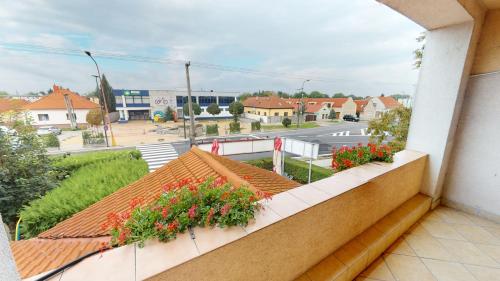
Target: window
x,y
207,100
258,112
182,100
276,114
265,113
67,116
43,117
225,101
286,114
248,111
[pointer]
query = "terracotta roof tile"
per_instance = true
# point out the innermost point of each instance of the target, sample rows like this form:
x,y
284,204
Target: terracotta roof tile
x,y
360,105
11,104
35,256
267,102
389,102
55,100
193,164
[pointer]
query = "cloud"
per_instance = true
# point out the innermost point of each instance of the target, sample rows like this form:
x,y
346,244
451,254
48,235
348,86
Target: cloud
x,y
359,46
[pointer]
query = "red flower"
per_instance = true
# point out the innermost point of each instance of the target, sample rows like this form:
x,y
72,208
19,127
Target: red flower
x,y
158,226
200,180
264,195
246,177
209,216
360,153
125,215
173,226
335,165
380,153
347,163
136,202
164,212
373,149
123,236
168,187
225,209
219,181
192,212
224,196
193,188
173,200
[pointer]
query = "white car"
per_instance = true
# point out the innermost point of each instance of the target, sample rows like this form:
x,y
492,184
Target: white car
x,y
48,130
8,131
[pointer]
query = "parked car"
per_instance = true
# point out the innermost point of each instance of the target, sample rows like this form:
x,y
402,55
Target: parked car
x,y
48,130
8,131
349,117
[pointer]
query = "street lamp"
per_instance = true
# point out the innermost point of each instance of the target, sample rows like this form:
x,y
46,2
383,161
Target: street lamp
x,y
300,106
113,142
101,98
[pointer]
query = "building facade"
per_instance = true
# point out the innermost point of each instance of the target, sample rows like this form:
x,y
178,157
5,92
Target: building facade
x,y
145,104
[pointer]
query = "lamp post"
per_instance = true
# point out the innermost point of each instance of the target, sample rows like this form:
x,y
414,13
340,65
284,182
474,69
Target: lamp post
x,y
101,98
300,106
107,121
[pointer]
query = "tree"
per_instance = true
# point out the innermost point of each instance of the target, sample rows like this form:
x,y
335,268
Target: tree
x,y
396,122
108,94
169,114
332,115
317,94
236,109
244,96
196,109
25,171
286,122
94,117
299,95
419,53
339,95
3,94
213,109
283,95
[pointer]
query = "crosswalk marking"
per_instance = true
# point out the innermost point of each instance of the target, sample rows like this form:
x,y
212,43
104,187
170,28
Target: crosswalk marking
x,y
341,134
158,154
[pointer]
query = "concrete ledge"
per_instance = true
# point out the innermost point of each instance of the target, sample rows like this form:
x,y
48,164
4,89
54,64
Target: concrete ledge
x,y
297,229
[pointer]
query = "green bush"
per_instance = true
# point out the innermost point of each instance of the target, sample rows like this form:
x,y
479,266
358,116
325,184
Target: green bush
x,y
92,138
51,140
234,127
286,122
299,170
256,126
213,130
86,185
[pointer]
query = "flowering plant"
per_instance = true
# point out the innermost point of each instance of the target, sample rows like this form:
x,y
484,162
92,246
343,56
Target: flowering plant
x,y
185,204
347,157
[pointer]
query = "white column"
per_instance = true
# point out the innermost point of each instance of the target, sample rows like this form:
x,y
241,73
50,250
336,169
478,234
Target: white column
x,y
7,265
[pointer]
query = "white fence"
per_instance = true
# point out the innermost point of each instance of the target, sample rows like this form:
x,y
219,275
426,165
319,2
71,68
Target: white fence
x,y
231,147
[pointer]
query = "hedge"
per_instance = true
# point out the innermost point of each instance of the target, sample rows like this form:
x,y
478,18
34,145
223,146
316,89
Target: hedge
x,y
85,184
234,127
213,130
50,140
256,126
299,170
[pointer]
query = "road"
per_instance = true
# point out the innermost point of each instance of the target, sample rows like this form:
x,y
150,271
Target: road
x,y
328,136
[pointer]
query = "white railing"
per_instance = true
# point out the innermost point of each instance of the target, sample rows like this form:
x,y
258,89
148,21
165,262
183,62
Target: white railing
x,y
231,147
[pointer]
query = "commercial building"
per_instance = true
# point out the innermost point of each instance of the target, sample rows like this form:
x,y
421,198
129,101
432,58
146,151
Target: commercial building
x,y
145,104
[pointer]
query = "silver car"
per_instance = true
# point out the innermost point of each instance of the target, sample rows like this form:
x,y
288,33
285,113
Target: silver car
x,y
48,130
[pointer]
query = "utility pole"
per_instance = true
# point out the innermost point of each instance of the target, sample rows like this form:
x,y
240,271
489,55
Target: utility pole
x,y
71,112
301,106
101,99
190,106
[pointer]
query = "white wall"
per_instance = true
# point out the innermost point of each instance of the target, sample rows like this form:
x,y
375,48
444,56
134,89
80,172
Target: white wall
x,y
7,265
348,108
58,117
473,176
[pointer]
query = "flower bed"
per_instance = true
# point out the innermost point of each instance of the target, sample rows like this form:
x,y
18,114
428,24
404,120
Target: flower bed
x,y
348,157
206,202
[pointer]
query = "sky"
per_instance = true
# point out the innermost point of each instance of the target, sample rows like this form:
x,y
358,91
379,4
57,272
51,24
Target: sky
x,y
358,47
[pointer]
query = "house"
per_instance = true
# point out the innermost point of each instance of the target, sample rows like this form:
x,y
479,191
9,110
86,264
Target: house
x,y
376,106
360,106
82,234
319,108
271,109
52,109
10,109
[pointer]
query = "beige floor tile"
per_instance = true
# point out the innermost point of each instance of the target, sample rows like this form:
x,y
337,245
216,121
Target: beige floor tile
x,y
417,229
432,216
482,221
405,268
441,230
476,234
495,231
466,252
428,247
448,271
453,216
483,273
378,270
401,247
491,250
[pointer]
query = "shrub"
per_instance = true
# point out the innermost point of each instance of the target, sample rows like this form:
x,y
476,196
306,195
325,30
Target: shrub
x,y
50,140
286,122
347,157
234,127
236,108
94,117
213,130
90,138
213,109
256,126
396,122
169,114
299,170
85,186
196,109
181,206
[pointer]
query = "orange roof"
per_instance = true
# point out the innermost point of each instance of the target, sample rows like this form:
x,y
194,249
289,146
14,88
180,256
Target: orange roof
x,y
55,100
193,164
267,102
313,108
389,102
7,104
35,256
336,102
360,105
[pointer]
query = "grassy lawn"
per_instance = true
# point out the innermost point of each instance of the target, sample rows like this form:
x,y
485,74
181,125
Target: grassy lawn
x,y
299,170
84,180
293,126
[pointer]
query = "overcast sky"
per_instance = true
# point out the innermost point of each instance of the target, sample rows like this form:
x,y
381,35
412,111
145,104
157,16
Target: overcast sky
x,y
353,46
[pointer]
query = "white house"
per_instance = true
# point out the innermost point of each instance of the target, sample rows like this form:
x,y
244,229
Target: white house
x,y
376,106
52,109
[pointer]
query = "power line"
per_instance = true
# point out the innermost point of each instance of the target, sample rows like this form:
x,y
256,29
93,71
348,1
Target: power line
x,y
142,59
